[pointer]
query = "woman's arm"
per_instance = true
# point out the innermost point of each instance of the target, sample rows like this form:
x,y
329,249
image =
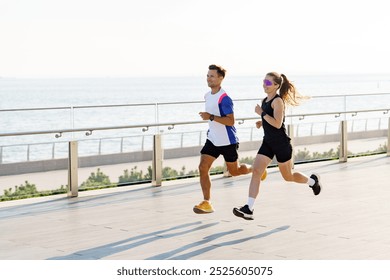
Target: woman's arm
x,y
277,120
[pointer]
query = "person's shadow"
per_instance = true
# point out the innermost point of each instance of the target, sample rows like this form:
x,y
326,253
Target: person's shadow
x,y
130,243
136,241
213,246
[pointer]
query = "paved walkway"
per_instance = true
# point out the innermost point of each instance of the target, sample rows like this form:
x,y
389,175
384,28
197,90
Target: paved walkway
x,y
348,220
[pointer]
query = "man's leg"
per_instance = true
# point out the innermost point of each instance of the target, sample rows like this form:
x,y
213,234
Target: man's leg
x,y
204,171
205,206
236,170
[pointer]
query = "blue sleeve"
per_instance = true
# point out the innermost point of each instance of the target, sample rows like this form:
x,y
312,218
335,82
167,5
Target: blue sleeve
x,y
226,106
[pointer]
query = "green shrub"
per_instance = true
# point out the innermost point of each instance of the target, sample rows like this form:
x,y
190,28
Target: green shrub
x,y
382,148
247,160
302,155
96,179
133,176
22,191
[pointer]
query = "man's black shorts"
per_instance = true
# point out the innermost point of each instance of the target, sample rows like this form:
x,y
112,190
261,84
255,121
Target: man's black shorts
x,y
229,152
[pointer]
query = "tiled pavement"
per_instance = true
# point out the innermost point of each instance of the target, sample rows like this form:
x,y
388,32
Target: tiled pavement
x,y
350,220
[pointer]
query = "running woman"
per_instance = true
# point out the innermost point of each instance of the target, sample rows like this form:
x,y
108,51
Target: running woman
x,y
280,91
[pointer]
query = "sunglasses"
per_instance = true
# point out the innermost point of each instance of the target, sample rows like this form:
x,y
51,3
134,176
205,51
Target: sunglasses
x,y
268,83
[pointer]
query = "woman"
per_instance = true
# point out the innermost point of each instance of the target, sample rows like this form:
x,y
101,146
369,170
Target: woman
x,y
276,141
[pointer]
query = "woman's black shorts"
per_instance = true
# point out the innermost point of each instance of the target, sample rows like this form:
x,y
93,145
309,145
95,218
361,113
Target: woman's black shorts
x,y
282,150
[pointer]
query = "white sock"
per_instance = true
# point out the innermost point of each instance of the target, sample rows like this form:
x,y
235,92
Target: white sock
x,y
311,182
251,203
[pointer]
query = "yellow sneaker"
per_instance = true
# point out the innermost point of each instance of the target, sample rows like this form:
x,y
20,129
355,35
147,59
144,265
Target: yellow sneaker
x,y
264,175
203,208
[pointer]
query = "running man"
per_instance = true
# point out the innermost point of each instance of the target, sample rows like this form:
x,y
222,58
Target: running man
x,y
221,136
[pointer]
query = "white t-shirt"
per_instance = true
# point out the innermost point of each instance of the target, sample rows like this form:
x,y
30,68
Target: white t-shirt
x,y
220,104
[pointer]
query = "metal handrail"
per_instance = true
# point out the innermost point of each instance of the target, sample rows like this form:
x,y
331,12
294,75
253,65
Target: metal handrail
x,y
164,103
101,106
145,127
34,109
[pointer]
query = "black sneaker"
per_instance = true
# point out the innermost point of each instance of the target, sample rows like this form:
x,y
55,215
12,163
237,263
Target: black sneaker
x,y
317,185
243,212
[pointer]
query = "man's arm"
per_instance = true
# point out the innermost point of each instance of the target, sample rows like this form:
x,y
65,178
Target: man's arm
x,y
227,120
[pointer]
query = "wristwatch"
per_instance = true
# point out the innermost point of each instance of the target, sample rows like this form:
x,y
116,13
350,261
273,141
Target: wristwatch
x,y
211,117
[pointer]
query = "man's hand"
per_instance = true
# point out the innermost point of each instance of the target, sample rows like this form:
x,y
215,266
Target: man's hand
x,y
204,115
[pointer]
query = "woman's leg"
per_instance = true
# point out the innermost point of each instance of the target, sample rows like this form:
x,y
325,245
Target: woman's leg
x,y
313,181
260,164
290,176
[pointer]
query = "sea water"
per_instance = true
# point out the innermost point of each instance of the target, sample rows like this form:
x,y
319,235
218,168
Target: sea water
x,y
30,93
151,100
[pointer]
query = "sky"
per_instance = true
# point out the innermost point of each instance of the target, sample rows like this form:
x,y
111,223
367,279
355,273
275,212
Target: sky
x,y
132,38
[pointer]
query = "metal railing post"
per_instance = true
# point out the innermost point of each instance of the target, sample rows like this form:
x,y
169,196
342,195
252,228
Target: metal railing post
x,y
28,152
53,148
343,154
157,160
388,138
290,131
73,169
1,154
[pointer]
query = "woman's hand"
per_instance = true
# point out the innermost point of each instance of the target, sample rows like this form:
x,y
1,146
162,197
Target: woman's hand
x,y
258,109
259,124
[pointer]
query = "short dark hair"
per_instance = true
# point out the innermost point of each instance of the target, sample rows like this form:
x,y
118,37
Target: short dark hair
x,y
220,70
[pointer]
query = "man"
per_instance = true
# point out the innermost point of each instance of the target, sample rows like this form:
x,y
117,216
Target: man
x,y
221,136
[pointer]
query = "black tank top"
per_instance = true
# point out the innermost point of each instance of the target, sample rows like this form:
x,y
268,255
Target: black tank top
x,y
271,133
